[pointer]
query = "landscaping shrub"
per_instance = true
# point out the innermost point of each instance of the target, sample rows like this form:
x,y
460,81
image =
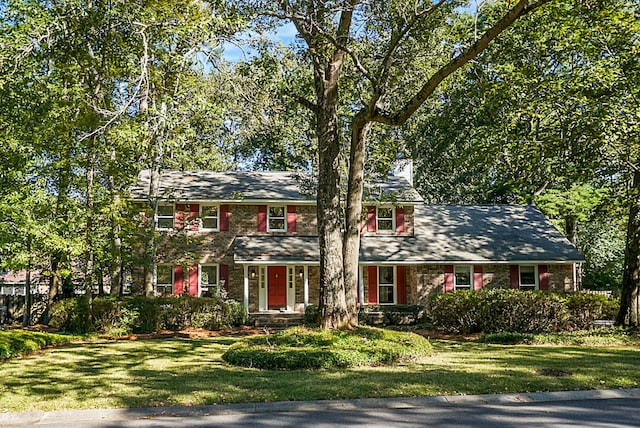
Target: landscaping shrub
x,y
304,348
390,315
311,315
14,343
120,316
507,310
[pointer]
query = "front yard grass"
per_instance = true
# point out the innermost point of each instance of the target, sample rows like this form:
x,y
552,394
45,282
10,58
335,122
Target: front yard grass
x,y
191,372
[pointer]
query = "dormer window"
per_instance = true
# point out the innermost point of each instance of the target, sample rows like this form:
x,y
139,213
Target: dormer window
x,y
276,219
385,219
209,217
164,218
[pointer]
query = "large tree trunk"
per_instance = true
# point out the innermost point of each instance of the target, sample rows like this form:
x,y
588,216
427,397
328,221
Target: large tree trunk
x,y
26,319
115,268
629,313
333,310
354,216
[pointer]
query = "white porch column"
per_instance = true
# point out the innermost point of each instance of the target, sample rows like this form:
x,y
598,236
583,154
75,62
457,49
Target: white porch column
x,y
306,286
245,300
361,285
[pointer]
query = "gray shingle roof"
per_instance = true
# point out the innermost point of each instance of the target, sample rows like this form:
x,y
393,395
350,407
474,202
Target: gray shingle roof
x,y
258,185
478,233
276,248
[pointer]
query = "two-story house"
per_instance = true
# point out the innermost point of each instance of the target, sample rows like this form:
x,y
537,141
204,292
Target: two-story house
x,y
255,235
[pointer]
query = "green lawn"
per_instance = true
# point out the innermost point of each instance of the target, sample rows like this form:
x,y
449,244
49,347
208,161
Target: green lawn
x,y
191,371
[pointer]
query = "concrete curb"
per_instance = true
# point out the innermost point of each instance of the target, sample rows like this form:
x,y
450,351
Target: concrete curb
x,y
113,415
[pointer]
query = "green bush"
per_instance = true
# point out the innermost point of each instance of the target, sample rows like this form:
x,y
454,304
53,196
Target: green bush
x,y
507,310
311,315
15,343
390,315
120,316
304,348
507,338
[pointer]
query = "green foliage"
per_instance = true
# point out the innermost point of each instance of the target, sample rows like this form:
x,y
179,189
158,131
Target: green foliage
x,y
390,315
311,315
303,348
506,310
120,316
613,336
14,343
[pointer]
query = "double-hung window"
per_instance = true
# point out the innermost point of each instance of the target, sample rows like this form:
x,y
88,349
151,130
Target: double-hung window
x,y
528,277
462,277
208,280
209,217
276,219
386,219
164,280
386,285
164,218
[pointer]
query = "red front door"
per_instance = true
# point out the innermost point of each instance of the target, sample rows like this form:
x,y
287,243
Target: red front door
x,y
277,276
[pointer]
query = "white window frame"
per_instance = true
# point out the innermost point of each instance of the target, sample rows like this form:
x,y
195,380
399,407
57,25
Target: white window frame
x,y
394,285
467,268
202,217
284,218
392,218
172,284
216,284
158,216
535,285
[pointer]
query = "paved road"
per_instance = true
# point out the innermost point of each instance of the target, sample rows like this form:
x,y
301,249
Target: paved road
x,y
558,410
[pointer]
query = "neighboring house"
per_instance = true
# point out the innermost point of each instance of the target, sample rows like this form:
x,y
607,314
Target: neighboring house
x,y
255,235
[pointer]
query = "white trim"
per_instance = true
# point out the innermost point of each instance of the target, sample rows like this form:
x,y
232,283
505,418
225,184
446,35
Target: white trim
x,y
245,292
155,278
361,285
262,288
394,285
291,287
157,217
393,219
536,284
284,218
202,217
306,286
455,281
275,262
215,284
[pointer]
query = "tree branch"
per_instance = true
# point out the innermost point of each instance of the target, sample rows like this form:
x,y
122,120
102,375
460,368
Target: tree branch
x,y
400,117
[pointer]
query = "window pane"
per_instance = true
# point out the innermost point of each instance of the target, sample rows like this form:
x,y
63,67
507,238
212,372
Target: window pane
x,y
386,294
463,275
209,211
385,275
165,210
210,223
527,275
165,223
385,212
164,274
208,275
276,211
276,224
385,224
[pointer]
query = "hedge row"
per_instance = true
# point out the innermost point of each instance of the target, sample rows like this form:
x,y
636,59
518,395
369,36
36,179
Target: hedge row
x,y
506,310
120,316
14,343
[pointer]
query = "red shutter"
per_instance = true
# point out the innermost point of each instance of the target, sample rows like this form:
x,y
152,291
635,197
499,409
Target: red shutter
x,y
543,277
448,278
372,274
178,280
224,276
193,280
178,222
224,217
514,277
291,218
262,218
399,219
477,277
371,219
194,213
401,272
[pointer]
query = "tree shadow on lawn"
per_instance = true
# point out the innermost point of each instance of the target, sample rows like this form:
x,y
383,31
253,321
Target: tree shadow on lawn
x,y
191,372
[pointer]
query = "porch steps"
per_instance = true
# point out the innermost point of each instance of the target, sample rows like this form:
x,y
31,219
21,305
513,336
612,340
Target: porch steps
x,y
276,320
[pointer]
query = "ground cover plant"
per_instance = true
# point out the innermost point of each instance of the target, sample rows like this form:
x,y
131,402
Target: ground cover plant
x,y
179,371
14,343
304,348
